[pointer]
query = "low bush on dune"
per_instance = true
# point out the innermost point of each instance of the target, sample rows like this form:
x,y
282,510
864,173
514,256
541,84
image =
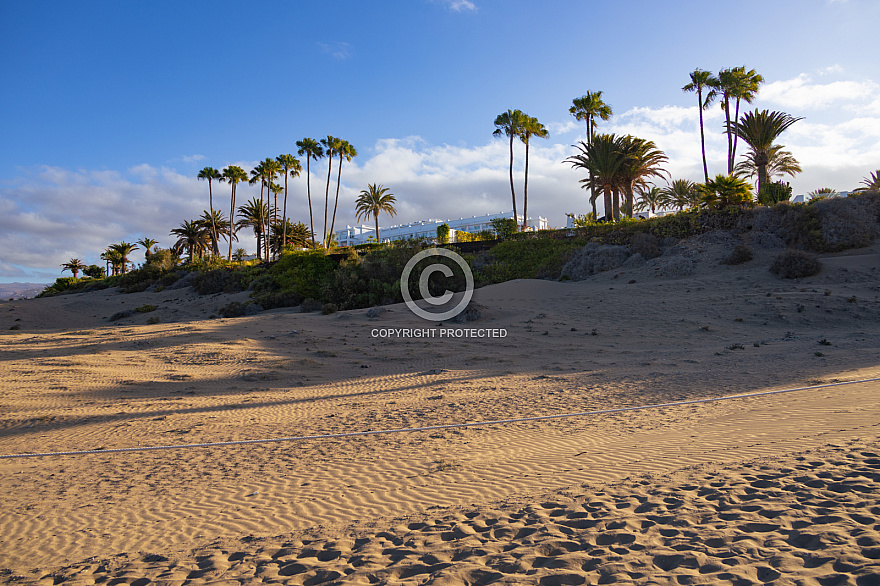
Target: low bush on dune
x,y
739,255
795,264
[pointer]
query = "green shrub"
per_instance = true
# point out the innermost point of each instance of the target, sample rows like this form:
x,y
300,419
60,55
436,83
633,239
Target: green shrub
x,y
329,308
276,299
773,193
795,264
443,233
504,227
218,281
739,255
94,272
145,308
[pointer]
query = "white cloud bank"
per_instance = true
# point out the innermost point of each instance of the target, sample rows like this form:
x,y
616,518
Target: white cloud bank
x,y
51,215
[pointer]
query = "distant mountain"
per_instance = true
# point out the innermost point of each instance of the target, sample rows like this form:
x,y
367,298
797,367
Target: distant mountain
x,y
20,290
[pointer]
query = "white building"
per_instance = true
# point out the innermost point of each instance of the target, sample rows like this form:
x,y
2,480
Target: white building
x,y
808,197
354,235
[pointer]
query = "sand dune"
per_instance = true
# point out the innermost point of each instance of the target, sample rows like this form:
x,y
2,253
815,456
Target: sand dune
x,y
781,488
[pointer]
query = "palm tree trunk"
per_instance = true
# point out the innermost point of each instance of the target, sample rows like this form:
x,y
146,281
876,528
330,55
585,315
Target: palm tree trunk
x,y
762,177
216,247
726,106
309,191
512,192
735,138
284,215
526,189
336,204
327,199
377,227
231,222
702,134
609,206
615,202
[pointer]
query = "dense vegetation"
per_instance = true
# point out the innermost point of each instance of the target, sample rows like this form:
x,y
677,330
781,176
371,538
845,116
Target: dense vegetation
x,y
370,275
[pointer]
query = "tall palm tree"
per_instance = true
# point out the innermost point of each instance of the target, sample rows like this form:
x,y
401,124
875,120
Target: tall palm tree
x,y
147,243
739,85
192,236
779,162
587,108
602,157
331,144
347,152
74,265
255,215
210,174
759,129
291,166
234,175
725,190
702,81
510,124
651,199
682,193
310,149
124,249
531,127
642,159
374,200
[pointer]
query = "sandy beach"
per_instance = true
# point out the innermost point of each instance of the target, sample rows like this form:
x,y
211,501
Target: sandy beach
x,y
778,489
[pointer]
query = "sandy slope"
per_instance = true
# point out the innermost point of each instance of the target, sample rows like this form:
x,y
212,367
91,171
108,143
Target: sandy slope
x,y
781,488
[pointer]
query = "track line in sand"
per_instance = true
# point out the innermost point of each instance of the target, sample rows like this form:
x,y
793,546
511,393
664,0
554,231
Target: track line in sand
x,y
435,427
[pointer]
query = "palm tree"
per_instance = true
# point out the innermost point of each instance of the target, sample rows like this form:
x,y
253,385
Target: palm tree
x,y
289,166
823,192
779,162
74,265
871,182
682,193
702,81
216,224
510,124
210,174
725,190
331,144
759,129
642,159
255,214
531,127
147,243
192,236
603,159
587,108
113,259
124,249
348,152
372,201
286,234
738,84
310,149
234,175
651,199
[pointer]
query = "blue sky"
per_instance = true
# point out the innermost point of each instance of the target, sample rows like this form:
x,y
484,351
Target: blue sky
x,y
111,108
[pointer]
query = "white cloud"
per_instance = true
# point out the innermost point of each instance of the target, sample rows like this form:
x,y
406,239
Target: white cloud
x,y
801,93
337,50
458,5
192,158
567,127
